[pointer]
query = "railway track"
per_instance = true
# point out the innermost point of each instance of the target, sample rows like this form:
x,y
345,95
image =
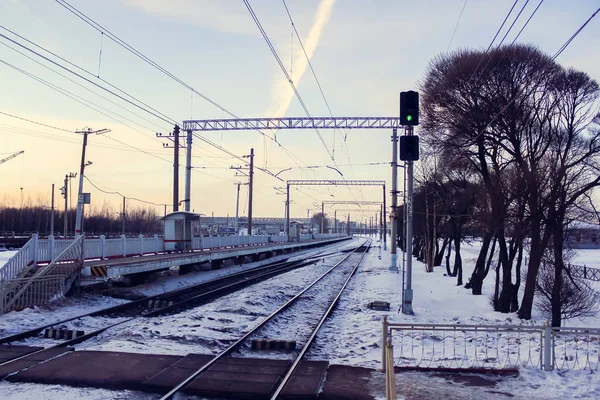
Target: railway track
x,y
342,271
169,302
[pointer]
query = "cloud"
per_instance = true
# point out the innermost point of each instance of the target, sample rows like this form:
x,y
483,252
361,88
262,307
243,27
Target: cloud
x,y
283,92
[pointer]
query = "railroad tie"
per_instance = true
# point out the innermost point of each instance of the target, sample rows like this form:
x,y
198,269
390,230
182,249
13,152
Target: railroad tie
x,y
67,334
156,304
275,344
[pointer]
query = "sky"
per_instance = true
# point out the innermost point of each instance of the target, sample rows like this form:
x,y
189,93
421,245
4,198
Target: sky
x,y
364,54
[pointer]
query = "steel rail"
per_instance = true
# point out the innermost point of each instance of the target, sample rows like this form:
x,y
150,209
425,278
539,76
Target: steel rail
x,y
312,337
233,347
284,267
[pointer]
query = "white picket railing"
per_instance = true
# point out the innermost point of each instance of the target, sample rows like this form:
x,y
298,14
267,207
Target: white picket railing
x,y
43,251
19,262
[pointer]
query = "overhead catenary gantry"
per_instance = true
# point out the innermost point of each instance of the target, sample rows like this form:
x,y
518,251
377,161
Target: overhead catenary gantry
x,y
330,182
236,124
353,202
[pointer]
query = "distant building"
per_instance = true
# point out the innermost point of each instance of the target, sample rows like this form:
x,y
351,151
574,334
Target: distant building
x,y
582,235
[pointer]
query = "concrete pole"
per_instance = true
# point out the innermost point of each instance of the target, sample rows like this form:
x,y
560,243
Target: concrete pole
x,y
322,217
335,221
176,169
408,293
250,187
394,258
79,218
123,218
287,214
52,213
349,230
237,209
384,221
65,219
188,171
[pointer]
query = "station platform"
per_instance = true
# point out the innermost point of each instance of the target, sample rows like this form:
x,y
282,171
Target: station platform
x,y
98,271
230,378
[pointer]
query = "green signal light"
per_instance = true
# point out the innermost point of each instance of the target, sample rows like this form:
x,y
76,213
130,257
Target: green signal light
x,y
409,117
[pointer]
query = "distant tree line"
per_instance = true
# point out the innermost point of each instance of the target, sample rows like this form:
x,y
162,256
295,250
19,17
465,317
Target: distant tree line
x,y
512,155
103,220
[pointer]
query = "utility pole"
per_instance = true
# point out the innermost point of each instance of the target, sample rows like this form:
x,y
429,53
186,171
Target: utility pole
x,y
381,223
322,217
79,217
52,213
250,187
335,221
123,218
394,264
237,206
188,171
287,214
66,196
349,230
384,221
176,168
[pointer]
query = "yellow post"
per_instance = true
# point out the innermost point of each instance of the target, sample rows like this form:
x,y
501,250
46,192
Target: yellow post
x,y
390,377
384,342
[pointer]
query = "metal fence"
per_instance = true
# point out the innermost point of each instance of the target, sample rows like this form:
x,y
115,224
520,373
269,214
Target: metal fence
x,y
457,346
488,347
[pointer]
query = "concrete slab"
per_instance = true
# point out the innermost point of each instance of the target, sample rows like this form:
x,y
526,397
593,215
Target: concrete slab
x,y
175,373
347,383
239,378
32,360
9,352
306,381
110,370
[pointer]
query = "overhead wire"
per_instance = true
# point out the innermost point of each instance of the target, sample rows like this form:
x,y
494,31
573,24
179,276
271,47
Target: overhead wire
x,y
284,70
456,26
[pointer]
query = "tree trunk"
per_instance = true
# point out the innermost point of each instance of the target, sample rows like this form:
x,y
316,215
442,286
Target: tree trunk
x,y
555,299
448,272
496,300
479,271
440,253
457,261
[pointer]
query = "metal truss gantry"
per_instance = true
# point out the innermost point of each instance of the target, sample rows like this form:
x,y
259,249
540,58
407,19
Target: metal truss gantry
x,y
329,182
235,124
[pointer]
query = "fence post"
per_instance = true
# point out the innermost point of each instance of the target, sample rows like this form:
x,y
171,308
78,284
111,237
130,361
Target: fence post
x,y
390,377
384,341
51,251
141,245
547,347
123,242
35,248
102,247
157,247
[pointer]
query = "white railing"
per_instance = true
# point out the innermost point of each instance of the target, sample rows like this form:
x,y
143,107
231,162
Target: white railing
x,y
493,346
20,262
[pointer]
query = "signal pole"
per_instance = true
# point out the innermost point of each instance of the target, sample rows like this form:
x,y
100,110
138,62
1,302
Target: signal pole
x,y
394,264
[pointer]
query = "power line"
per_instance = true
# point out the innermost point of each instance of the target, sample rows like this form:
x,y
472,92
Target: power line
x,y
122,195
456,26
283,69
568,42
527,22
35,122
146,59
151,111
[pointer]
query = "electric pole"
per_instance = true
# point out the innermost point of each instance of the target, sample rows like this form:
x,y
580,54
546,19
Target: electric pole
x,y
52,213
79,217
188,171
176,168
250,187
237,206
123,218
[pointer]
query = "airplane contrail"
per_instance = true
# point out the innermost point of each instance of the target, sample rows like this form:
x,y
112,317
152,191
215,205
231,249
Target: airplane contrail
x,y
283,93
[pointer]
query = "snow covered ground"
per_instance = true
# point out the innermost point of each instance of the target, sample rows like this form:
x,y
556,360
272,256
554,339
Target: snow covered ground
x,y
351,337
